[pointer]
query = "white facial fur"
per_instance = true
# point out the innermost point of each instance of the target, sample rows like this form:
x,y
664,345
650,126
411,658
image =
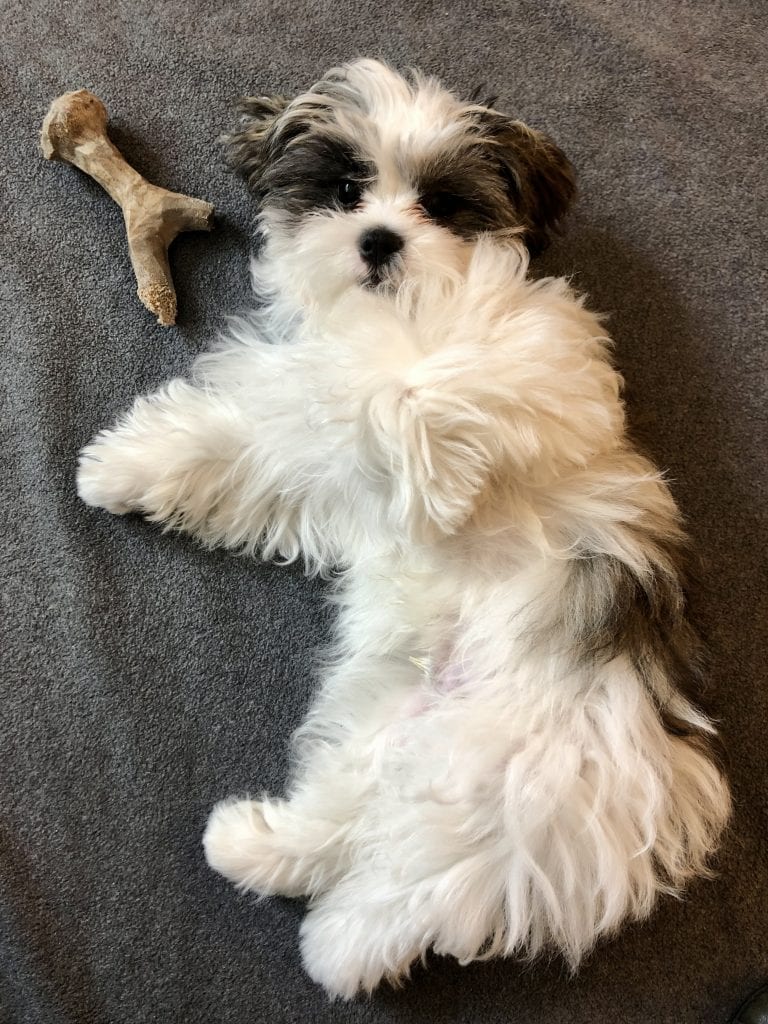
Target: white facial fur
x,y
437,172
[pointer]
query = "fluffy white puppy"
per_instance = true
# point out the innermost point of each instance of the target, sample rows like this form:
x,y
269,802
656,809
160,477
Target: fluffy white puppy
x,y
501,758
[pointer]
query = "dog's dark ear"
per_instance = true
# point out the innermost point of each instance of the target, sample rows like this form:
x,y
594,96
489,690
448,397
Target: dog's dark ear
x,y
539,176
253,144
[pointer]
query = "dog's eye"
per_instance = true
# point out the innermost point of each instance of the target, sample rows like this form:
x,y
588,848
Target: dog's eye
x,y
349,192
442,205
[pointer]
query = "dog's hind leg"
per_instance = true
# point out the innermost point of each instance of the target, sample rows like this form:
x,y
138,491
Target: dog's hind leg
x,y
301,845
274,846
354,939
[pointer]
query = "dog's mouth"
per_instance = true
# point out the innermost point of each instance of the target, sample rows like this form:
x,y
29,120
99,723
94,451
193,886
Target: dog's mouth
x,y
379,279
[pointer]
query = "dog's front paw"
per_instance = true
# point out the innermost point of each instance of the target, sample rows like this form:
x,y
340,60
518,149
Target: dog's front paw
x,y
108,475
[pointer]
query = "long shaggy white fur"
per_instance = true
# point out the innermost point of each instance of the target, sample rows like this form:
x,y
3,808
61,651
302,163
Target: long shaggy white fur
x,y
472,778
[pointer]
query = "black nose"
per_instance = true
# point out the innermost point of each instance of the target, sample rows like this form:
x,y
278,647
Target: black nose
x,y
379,245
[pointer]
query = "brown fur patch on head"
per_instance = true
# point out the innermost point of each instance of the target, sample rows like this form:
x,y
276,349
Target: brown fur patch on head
x,y
250,146
539,176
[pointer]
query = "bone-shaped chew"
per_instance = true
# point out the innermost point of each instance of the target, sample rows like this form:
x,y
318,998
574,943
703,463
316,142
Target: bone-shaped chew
x,y
75,130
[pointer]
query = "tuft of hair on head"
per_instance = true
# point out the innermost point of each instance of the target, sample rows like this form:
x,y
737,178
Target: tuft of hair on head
x,y
481,98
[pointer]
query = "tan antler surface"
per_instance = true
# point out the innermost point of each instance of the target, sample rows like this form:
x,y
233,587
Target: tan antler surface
x,y
75,130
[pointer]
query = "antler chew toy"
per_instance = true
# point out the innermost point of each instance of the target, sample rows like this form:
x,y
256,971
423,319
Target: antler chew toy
x,y
75,130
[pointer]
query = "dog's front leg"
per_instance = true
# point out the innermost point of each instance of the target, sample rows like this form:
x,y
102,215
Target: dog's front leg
x,y
194,459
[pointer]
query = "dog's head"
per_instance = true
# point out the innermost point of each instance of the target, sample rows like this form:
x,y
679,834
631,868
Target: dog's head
x,y
369,179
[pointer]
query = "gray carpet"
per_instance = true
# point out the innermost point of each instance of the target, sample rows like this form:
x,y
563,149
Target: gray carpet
x,y
143,678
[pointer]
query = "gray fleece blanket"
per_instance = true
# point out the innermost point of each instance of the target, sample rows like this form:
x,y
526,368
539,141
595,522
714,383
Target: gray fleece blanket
x,y
143,678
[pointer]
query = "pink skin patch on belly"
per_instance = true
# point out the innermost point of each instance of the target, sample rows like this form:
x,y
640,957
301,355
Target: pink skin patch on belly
x,y
441,676
447,670
449,676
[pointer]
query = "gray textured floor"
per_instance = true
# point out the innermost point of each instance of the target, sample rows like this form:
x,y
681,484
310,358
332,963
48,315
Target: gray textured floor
x,y
143,678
